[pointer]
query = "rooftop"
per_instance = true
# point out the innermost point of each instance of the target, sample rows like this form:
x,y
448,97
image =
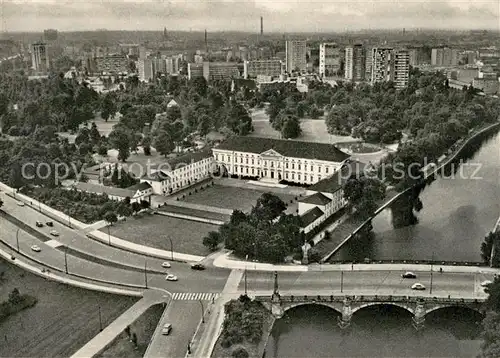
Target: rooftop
x,y
311,216
184,160
103,189
288,148
334,182
139,186
316,199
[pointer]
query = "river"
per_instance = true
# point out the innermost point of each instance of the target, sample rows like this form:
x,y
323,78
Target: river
x,y
457,212
378,331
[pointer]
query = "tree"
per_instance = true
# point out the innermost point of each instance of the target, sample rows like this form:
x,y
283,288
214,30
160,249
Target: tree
x,y
16,179
163,143
1,203
291,128
94,134
145,204
15,297
212,240
108,107
136,207
490,348
491,240
83,136
268,207
120,139
110,217
364,194
146,145
123,209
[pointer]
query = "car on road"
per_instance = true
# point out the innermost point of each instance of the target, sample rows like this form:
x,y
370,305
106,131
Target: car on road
x,y
54,233
49,223
198,267
39,224
418,286
409,275
486,283
20,203
167,327
171,277
36,248
166,264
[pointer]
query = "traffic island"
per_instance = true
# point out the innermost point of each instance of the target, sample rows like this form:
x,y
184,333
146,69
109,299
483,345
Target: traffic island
x,y
246,329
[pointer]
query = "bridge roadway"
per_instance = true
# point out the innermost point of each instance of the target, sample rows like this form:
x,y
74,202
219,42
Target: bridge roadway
x,y
184,311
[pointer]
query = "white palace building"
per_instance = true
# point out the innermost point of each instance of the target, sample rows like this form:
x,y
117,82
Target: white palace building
x,y
275,159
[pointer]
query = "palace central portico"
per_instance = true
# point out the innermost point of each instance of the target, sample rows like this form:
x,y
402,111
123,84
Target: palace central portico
x,y
276,160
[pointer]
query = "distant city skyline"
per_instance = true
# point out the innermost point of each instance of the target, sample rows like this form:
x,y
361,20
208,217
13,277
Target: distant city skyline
x,y
240,15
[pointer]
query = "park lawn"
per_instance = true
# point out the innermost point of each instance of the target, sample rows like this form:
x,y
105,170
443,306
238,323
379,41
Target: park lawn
x,y
64,319
144,328
228,197
155,231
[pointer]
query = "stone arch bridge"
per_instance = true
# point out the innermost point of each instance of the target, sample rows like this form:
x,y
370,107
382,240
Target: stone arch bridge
x,y
419,307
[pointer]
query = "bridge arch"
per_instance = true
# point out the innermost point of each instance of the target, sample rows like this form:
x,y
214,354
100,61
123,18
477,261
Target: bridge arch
x,y
436,308
400,305
290,306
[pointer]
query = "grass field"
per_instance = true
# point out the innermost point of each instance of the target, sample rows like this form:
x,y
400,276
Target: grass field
x,y
144,328
63,320
155,231
313,130
230,197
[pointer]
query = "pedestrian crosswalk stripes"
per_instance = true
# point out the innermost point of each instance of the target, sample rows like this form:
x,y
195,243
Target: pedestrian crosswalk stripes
x,y
191,296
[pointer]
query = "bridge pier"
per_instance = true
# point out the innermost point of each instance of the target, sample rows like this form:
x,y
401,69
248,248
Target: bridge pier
x,y
419,317
345,321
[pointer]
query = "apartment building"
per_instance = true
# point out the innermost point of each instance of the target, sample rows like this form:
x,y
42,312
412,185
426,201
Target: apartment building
x,y
354,68
275,159
255,68
40,61
145,70
368,63
329,59
295,53
214,70
401,68
390,65
112,64
444,57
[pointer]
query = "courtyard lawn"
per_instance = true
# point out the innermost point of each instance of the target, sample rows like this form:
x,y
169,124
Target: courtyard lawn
x,y
155,231
228,197
63,320
194,212
313,130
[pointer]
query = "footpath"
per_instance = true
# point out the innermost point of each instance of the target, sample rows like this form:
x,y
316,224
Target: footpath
x,y
100,342
224,260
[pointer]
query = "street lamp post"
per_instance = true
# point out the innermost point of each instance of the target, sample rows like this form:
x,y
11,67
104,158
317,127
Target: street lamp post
x,y
109,236
17,238
100,320
171,249
246,262
66,259
69,221
432,269
146,273
341,281
202,311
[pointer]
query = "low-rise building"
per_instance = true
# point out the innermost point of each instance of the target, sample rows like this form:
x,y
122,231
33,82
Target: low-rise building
x,y
136,193
254,68
180,172
112,64
278,160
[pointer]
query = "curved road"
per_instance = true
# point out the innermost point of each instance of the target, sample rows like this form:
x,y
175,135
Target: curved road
x,y
126,268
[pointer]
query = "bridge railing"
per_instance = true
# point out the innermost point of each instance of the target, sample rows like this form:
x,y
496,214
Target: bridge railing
x,y
371,298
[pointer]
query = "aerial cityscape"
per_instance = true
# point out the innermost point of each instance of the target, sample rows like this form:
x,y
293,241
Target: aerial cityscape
x,y
249,179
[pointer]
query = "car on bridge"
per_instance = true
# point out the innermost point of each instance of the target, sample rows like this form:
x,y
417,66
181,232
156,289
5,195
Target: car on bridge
x,y
171,277
39,224
20,203
418,286
408,275
166,264
49,223
54,233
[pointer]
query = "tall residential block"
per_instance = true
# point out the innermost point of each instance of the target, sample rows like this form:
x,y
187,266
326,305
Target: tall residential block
x,y
355,61
146,69
444,57
368,63
401,68
296,59
40,57
329,59
252,69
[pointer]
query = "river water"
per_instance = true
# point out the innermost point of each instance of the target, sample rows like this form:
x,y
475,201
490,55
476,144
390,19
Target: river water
x,y
455,214
458,211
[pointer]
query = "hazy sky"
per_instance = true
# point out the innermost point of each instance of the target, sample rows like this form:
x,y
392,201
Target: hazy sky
x,y
243,15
